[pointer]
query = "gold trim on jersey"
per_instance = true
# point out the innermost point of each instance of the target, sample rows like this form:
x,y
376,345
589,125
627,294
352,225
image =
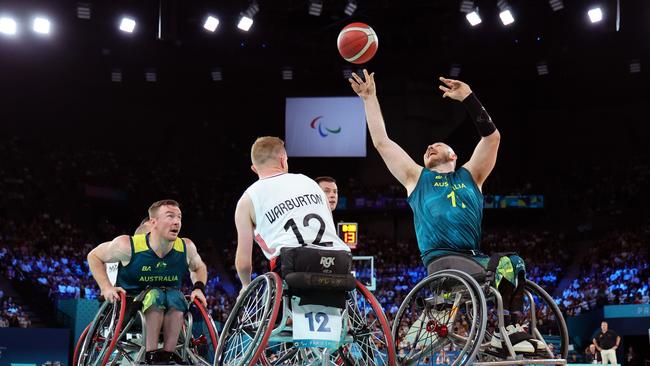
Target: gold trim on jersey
x,y
140,243
178,245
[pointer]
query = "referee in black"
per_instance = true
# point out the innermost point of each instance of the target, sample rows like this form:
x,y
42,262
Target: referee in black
x,y
607,341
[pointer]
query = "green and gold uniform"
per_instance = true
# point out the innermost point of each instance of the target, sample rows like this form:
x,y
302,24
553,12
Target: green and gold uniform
x,y
163,276
447,213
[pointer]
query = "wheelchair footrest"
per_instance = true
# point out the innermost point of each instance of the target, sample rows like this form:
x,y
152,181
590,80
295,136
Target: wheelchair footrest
x,y
548,361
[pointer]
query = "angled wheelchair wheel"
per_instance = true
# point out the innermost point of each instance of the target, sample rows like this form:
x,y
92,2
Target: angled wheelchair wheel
x,y
365,338
102,334
199,338
369,336
250,322
545,321
542,319
446,311
80,341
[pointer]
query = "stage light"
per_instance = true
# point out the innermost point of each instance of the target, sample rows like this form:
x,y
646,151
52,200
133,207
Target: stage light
x,y
150,75
211,23
350,8
8,26
454,71
41,25
116,75
216,74
556,4
245,23
315,7
83,11
595,15
473,18
506,17
505,12
542,68
287,73
466,6
127,25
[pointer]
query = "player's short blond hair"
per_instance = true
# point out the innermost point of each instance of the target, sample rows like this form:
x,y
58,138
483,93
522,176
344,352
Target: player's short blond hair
x,y
153,209
266,148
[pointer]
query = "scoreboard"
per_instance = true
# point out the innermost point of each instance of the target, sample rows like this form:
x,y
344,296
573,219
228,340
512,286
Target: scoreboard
x,y
349,233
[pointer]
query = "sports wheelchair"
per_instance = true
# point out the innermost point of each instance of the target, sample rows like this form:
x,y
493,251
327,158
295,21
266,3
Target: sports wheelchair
x,y
456,310
306,318
117,335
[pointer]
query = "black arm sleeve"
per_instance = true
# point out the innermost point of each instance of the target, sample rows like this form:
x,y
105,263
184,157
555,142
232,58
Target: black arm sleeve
x,y
479,115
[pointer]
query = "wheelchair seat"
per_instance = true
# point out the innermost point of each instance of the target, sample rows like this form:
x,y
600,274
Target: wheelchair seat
x,y
461,263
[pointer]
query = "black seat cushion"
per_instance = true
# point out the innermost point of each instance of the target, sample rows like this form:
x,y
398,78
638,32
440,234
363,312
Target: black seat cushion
x,y
460,263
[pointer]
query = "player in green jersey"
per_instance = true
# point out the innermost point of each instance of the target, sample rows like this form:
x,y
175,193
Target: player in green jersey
x,y
447,202
157,260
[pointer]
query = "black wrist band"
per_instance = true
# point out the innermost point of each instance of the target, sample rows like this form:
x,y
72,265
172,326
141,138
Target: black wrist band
x,y
479,115
198,285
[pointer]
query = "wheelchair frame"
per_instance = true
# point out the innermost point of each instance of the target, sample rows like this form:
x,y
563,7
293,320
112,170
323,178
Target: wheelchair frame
x,y
125,346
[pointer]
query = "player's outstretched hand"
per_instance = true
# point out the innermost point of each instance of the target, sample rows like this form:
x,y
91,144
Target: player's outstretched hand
x,y
454,89
364,89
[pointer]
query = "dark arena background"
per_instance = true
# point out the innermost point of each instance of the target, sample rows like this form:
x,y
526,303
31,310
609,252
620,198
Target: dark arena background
x,y
97,123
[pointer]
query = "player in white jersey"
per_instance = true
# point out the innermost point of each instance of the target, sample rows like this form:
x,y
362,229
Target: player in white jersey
x,y
280,210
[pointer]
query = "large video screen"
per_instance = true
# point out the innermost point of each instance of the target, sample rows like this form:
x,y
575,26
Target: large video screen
x,y
325,127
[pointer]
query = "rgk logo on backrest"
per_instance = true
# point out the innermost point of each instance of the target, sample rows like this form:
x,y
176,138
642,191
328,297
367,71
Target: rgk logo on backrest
x,y
326,262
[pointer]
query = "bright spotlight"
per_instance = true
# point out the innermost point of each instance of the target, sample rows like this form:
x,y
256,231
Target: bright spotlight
x,y
7,26
506,17
595,15
473,18
245,23
211,23
41,25
127,25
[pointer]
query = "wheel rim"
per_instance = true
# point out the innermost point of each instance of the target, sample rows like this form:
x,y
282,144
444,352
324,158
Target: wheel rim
x,y
425,322
245,326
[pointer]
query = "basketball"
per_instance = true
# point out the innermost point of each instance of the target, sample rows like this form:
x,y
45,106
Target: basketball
x,y
357,43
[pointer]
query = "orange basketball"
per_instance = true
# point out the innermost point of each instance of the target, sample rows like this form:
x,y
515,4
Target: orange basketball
x,y
357,43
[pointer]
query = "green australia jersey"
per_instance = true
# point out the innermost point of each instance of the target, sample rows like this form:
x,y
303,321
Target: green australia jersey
x,y
146,268
447,213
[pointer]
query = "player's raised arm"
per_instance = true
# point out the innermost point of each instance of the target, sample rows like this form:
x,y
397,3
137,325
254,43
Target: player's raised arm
x,y
485,154
397,160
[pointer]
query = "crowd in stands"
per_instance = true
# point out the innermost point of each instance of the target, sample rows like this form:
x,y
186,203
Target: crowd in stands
x,y
615,271
42,241
12,315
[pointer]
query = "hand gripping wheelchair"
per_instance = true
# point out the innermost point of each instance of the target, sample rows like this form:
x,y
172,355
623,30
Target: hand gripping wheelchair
x,y
448,313
117,334
313,314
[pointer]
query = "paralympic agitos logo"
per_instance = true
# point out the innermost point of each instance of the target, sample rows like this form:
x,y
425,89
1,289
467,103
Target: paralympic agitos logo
x,y
323,131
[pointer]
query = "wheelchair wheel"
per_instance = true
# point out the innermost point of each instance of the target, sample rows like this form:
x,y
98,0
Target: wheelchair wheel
x,y
446,311
199,335
547,323
366,341
372,340
250,322
77,347
100,339
542,319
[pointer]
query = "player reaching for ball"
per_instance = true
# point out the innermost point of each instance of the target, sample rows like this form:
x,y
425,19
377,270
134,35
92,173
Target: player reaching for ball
x,y
447,202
